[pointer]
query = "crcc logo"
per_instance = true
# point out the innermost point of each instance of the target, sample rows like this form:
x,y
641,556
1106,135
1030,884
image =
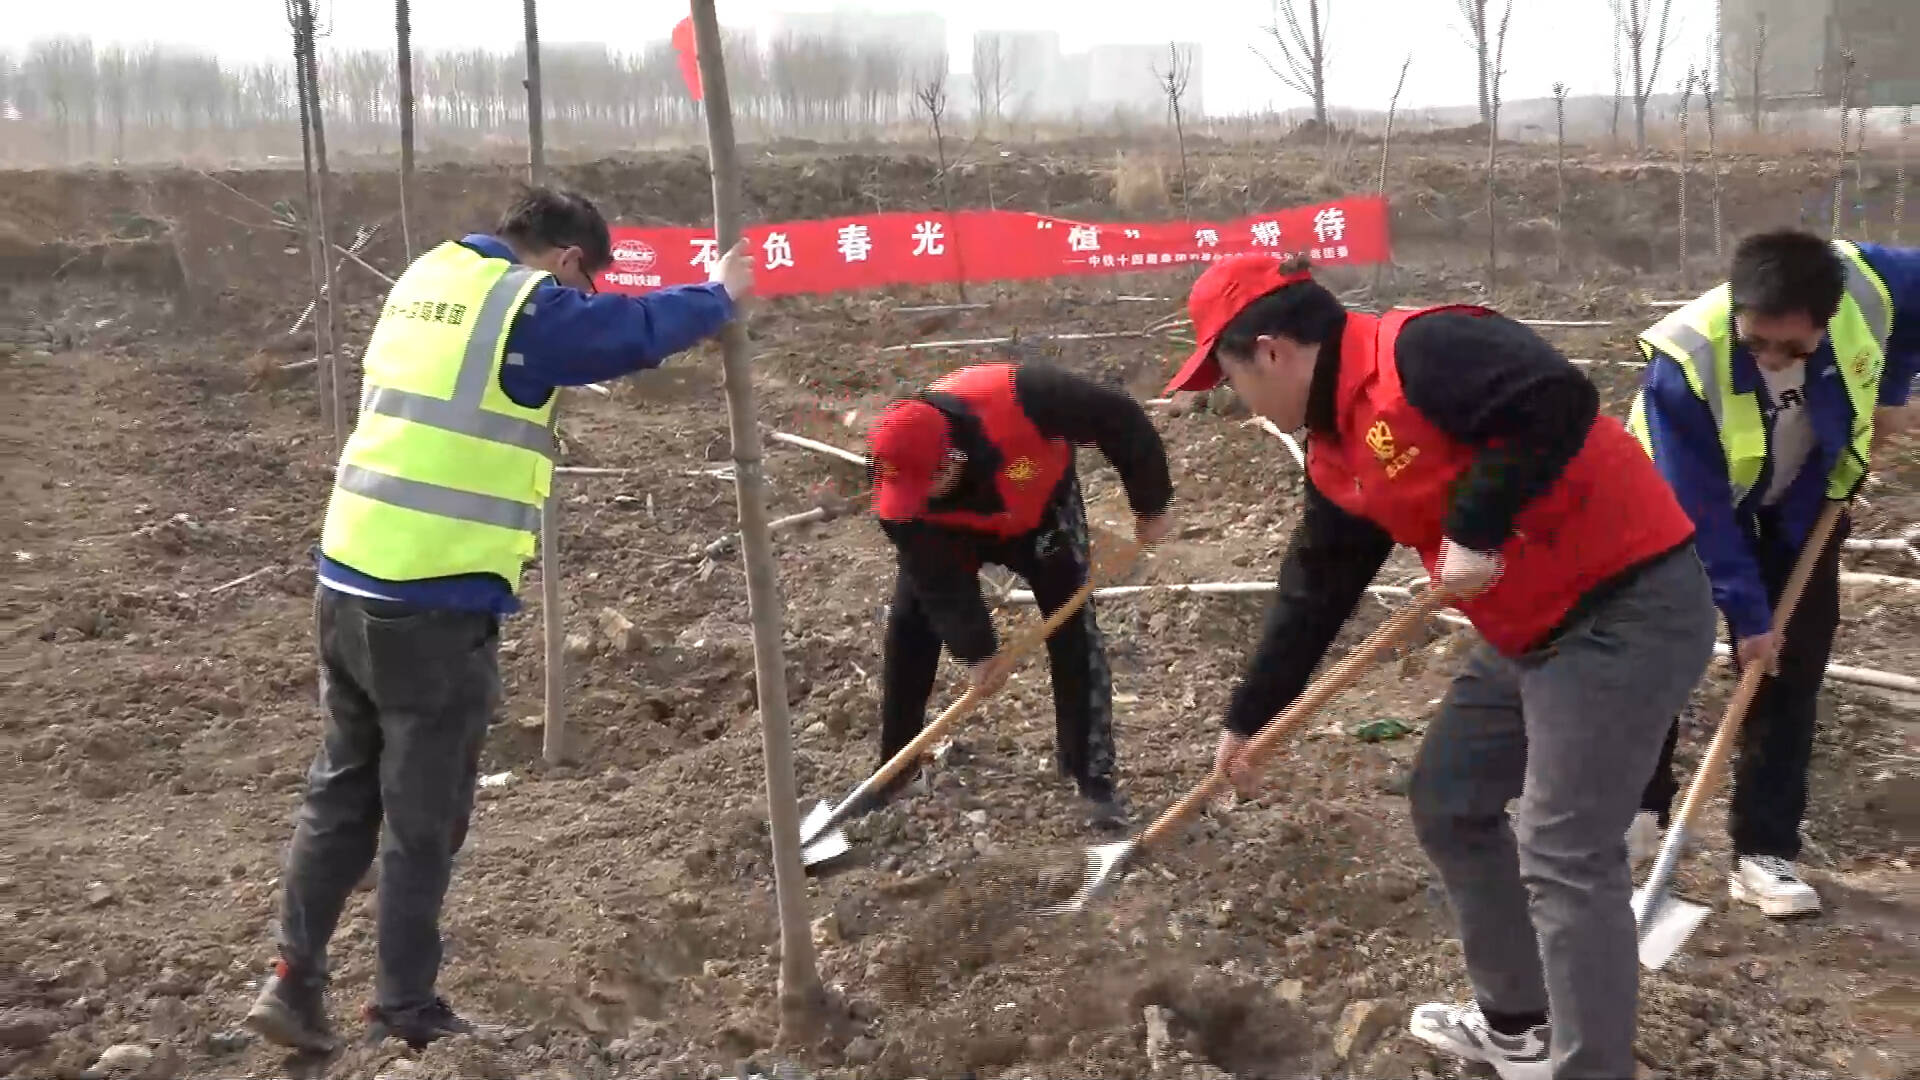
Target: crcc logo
x,y
634,255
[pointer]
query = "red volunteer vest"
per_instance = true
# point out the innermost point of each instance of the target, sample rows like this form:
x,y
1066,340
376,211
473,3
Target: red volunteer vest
x,y
1031,465
1608,511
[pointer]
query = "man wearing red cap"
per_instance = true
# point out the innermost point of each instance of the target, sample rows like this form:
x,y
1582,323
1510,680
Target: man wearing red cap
x,y
979,468
1460,433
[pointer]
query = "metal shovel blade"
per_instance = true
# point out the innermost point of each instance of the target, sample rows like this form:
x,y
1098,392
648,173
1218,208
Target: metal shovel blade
x,y
827,848
1665,928
818,843
1104,863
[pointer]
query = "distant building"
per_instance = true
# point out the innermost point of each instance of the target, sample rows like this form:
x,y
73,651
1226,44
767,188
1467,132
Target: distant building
x,y
1801,44
1127,78
1041,82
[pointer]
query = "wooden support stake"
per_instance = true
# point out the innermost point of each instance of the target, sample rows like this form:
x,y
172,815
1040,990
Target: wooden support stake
x,y
802,999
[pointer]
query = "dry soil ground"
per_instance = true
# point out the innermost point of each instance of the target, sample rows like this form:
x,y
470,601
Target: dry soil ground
x,y
617,912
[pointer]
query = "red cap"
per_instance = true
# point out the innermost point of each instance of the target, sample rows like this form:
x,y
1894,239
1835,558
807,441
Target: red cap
x,y
1224,291
906,446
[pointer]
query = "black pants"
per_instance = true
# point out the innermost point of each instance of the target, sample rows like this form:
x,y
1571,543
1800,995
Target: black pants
x,y
408,694
1776,742
1053,560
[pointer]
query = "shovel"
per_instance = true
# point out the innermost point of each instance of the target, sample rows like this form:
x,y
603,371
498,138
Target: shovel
x,y
1104,862
822,839
1663,922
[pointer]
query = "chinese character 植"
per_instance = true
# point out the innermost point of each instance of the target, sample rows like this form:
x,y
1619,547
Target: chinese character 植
x,y
706,253
1083,238
778,250
1266,233
928,237
855,243
1330,225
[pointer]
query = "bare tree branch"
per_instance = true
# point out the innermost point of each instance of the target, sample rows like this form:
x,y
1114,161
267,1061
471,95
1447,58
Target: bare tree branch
x,y
1299,34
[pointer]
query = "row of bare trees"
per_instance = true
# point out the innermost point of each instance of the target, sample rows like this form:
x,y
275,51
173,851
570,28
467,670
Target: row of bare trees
x,y
1296,53
63,100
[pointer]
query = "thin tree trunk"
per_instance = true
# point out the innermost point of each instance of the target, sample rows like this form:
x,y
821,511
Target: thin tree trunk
x,y
316,253
1493,209
403,38
1559,178
1840,166
333,381
1386,145
1713,165
802,998
1686,107
1900,174
554,747
536,142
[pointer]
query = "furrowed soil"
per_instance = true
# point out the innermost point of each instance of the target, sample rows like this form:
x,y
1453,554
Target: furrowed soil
x,y
167,471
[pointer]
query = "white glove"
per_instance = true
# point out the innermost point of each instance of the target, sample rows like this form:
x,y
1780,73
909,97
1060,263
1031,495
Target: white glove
x,y
1464,573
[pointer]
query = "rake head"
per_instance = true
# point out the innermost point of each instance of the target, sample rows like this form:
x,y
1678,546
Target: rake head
x,y
1104,864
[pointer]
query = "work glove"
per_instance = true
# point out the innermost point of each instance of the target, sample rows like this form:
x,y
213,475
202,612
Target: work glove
x,y
1463,573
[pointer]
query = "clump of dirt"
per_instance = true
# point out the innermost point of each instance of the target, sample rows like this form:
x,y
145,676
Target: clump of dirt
x,y
1239,1025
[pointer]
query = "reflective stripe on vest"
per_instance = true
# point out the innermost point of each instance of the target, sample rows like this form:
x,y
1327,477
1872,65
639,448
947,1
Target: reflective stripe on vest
x,y
1698,337
440,501
462,413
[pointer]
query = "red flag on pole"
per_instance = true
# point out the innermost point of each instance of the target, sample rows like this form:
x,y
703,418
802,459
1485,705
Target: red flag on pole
x,y
689,62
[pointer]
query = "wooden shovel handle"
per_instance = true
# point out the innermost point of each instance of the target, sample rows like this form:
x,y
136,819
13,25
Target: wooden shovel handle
x,y
1707,775
1016,649
1336,679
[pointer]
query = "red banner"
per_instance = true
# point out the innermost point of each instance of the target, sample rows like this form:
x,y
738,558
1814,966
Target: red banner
x,y
876,250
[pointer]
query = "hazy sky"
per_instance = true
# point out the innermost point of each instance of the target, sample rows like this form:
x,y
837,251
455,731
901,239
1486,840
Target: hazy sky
x,y
1548,39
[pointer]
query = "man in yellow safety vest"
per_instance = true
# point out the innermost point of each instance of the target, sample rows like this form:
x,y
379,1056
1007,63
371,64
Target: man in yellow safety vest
x,y
435,508
1762,400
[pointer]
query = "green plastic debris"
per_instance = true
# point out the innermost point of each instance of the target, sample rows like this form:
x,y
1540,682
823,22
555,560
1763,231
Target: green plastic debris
x,y
1384,729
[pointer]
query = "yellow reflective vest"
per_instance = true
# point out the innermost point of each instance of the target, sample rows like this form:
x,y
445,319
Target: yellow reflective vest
x,y
444,474
1699,338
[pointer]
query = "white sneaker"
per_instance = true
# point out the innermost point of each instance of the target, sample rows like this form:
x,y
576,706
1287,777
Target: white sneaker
x,y
1460,1030
1643,838
1773,885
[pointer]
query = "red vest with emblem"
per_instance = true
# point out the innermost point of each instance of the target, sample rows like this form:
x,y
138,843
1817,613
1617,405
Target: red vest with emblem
x,y
1609,510
1031,465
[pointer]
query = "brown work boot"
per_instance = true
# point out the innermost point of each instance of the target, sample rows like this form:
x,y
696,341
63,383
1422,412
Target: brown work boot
x,y
291,1011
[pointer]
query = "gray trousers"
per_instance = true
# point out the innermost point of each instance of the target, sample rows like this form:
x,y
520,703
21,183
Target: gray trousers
x,y
408,694
1572,731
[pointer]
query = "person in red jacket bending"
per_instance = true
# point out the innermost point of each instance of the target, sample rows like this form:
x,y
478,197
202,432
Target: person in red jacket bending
x,y
1461,434
979,468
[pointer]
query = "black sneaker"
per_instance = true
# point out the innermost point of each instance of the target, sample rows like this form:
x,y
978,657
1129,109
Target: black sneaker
x,y
418,1027
1105,808
291,1011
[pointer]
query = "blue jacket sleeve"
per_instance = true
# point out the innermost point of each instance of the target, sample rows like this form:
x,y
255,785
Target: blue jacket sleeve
x,y
1687,451
1899,268
566,338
